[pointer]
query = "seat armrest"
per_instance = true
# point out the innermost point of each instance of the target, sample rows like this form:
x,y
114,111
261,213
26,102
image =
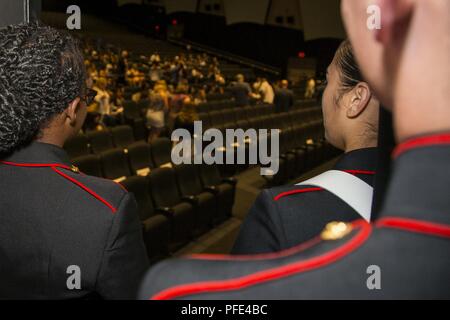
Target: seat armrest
x,y
212,189
190,199
231,180
165,211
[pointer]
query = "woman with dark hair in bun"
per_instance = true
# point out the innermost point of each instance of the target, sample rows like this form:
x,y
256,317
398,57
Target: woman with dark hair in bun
x,y
286,216
62,234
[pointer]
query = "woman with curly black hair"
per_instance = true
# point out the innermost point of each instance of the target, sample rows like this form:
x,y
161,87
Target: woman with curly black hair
x,y
62,234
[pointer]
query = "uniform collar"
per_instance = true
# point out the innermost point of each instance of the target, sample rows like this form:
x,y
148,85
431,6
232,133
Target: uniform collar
x,y
360,159
39,153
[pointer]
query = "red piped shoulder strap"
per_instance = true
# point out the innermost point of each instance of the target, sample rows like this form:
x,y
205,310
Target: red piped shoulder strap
x,y
432,140
56,168
288,193
417,226
362,234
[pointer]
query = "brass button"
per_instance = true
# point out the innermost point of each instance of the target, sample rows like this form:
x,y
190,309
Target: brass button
x,y
75,169
336,230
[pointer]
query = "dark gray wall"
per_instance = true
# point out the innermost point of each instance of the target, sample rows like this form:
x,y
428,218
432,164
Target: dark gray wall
x,y
17,11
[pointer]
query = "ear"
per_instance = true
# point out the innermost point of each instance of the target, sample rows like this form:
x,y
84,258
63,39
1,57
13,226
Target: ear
x,y
72,111
360,98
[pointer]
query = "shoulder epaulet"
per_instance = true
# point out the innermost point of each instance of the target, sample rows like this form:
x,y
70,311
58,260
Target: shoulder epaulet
x,y
59,169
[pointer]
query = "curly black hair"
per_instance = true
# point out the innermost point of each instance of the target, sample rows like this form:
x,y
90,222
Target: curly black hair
x,y
41,72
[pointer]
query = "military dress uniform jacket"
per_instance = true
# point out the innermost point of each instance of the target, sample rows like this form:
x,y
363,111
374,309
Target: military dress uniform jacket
x,y
58,226
404,254
285,216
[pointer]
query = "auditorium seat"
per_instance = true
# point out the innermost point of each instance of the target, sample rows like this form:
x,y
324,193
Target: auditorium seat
x,y
162,152
140,129
224,189
156,226
167,197
77,146
122,136
229,118
203,107
217,119
140,158
206,121
204,201
115,165
240,114
89,164
131,110
100,141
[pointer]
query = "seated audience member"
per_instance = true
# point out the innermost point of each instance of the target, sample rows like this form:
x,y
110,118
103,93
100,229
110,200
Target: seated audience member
x,y
286,216
284,97
105,106
405,253
156,112
176,103
265,91
310,88
241,91
63,235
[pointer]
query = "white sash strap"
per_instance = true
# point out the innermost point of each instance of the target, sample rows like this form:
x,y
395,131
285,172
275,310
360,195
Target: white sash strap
x,y
352,190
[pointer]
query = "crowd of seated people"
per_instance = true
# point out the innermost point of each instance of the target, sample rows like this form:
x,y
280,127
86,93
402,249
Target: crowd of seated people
x,y
167,88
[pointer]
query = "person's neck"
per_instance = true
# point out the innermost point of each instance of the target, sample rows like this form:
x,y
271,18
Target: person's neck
x,y
356,144
50,136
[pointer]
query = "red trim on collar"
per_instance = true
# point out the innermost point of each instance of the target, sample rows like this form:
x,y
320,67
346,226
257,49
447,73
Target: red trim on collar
x,y
433,140
54,167
411,225
288,193
36,165
368,172
271,274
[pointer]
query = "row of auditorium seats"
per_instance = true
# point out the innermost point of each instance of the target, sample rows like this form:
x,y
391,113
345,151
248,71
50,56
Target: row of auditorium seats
x,y
179,204
112,154
230,118
221,102
302,145
298,127
176,203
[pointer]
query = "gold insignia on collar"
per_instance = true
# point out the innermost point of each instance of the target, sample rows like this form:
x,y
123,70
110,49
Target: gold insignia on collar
x,y
336,230
75,169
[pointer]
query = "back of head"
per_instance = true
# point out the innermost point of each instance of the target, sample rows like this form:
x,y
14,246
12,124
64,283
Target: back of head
x,y
350,110
41,72
240,78
284,84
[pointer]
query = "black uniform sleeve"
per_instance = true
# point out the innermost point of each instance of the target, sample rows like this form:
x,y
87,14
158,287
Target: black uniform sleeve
x,y
124,259
261,231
